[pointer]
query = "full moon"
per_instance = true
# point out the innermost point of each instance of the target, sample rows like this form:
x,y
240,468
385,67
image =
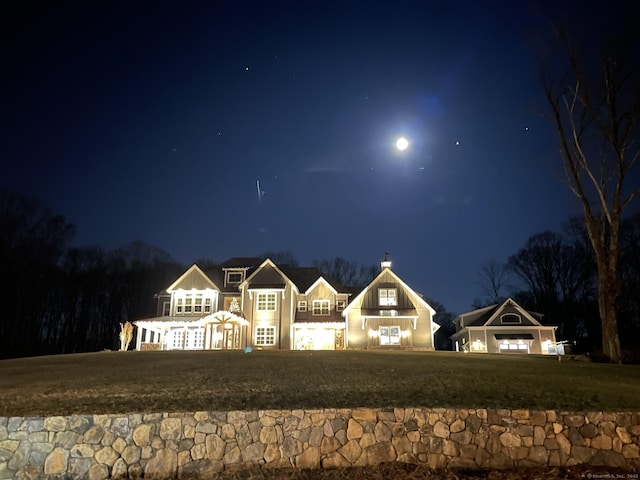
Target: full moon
x,y
402,143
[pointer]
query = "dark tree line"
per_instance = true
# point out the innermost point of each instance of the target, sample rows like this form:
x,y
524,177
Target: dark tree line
x,y
555,274
63,299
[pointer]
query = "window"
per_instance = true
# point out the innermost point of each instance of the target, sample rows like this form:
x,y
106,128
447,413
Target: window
x,y
321,307
178,336
265,336
340,304
389,335
302,305
510,318
195,338
190,303
387,296
166,309
266,302
234,277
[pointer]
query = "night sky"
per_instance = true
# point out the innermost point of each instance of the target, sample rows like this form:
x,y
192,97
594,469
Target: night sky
x,y
155,121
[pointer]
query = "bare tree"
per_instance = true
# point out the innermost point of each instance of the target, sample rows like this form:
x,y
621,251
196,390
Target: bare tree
x,y
596,109
492,279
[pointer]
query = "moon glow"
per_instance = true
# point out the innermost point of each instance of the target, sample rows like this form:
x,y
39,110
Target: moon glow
x,y
402,143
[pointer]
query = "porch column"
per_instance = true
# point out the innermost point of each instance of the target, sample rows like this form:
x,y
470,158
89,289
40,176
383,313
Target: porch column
x,y
139,338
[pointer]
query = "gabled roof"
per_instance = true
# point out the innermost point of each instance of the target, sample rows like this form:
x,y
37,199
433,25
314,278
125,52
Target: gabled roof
x,y
193,278
307,277
418,298
271,283
484,316
241,262
317,282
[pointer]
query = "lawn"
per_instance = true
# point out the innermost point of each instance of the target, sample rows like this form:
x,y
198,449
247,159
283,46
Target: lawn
x,y
120,382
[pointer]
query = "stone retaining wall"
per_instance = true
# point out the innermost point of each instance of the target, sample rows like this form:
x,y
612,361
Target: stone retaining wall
x,y
201,443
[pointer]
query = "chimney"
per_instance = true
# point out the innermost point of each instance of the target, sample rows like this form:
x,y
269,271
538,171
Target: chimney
x,y
385,263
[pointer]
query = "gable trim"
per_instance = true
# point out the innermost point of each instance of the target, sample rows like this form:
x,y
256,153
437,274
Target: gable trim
x,y
321,279
275,267
406,287
500,311
193,268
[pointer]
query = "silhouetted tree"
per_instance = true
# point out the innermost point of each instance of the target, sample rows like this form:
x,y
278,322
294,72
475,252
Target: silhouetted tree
x,y
493,281
281,257
347,273
32,241
444,318
595,103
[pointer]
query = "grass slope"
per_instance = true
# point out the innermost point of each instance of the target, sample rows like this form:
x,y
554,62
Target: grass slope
x,y
121,382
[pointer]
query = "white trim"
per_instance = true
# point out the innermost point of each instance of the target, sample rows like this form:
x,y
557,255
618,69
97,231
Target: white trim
x,y
329,325
320,279
259,269
193,268
406,288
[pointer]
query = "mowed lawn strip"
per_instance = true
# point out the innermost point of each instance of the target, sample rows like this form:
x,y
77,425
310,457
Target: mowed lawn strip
x,y
124,382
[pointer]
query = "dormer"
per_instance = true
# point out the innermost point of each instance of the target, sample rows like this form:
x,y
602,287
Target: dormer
x,y
234,276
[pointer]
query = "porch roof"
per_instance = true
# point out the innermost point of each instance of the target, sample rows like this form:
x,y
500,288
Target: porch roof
x,y
389,312
513,336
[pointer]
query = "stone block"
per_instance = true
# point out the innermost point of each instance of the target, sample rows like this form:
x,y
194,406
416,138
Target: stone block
x,y
538,454
170,429
382,432
437,461
271,452
351,451
631,450
458,425
441,430
401,445
601,442
142,435
164,464
106,456
55,424
253,452
329,445
94,435
354,430
310,458
215,447
98,472
56,462
537,418
367,440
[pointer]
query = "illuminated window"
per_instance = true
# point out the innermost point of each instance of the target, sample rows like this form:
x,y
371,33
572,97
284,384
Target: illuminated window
x,y
178,339
266,302
510,319
321,307
265,336
302,305
189,303
195,338
340,304
389,335
387,297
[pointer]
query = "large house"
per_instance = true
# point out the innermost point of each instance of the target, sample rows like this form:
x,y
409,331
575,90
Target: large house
x,y
503,328
250,302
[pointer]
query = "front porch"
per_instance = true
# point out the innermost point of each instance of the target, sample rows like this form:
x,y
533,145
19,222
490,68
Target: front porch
x,y
222,330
